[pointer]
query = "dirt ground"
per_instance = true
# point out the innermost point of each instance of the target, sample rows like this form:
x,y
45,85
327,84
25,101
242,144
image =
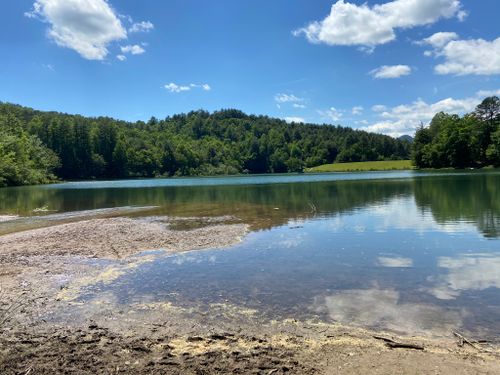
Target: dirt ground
x,y
44,329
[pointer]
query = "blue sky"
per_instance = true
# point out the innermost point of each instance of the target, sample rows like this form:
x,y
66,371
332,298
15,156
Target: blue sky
x,y
378,65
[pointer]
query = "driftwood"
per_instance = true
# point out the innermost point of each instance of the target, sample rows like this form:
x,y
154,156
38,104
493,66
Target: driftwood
x,y
462,339
396,344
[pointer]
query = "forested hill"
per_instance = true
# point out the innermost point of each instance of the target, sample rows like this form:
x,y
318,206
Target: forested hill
x,y
472,140
197,143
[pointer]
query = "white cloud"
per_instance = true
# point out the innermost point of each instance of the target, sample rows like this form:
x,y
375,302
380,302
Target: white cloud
x,y
485,93
173,87
133,49
362,25
404,119
395,262
285,98
391,71
295,119
300,106
121,57
464,57
205,86
356,111
440,39
332,114
462,15
144,27
86,26
379,108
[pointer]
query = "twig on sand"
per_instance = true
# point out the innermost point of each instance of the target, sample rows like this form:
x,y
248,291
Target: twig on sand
x,y
462,339
395,344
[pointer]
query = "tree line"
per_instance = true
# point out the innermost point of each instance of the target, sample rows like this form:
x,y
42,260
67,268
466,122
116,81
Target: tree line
x,y
451,141
37,147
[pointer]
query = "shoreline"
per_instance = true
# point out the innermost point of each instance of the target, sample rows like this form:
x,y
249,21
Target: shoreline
x,y
44,328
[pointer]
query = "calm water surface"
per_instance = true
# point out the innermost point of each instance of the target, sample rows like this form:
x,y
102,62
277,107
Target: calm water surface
x,y
407,251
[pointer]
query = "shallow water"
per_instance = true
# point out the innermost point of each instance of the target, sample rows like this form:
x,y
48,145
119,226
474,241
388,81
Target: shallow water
x,y
406,251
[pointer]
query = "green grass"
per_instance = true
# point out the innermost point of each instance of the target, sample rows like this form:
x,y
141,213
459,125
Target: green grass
x,y
389,165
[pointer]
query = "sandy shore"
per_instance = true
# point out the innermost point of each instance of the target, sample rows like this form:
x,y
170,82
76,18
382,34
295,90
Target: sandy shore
x,y
117,238
7,217
44,329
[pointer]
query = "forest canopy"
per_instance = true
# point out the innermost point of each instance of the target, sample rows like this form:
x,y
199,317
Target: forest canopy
x,y
451,141
36,146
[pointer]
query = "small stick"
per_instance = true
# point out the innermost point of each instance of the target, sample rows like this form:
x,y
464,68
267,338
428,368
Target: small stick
x,y
466,340
395,344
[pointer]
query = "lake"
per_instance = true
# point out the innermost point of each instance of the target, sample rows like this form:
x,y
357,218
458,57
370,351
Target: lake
x,y
411,252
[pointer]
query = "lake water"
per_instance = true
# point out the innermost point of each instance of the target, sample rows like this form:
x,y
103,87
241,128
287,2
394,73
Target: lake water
x,y
406,251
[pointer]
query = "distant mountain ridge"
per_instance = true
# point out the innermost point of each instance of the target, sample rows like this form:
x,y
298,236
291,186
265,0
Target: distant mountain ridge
x,y
407,138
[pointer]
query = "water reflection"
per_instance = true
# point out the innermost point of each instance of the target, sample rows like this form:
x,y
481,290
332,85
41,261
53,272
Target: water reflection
x,y
395,262
454,200
466,272
383,308
411,255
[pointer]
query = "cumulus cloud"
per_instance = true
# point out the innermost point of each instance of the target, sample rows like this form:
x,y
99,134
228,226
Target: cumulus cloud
x,y
391,71
286,98
464,57
300,106
141,27
405,118
121,57
133,49
439,40
85,26
173,87
363,25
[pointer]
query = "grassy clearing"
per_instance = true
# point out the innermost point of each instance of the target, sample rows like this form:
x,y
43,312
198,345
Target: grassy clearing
x,y
390,165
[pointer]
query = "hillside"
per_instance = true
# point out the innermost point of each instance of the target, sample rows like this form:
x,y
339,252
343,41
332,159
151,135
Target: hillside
x,y
197,143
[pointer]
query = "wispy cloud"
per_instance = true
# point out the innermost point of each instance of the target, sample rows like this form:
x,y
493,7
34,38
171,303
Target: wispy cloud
x,y
391,71
175,88
357,110
141,27
134,49
331,114
287,98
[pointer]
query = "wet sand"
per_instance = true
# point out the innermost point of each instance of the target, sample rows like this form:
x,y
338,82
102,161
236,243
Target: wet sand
x,y
44,329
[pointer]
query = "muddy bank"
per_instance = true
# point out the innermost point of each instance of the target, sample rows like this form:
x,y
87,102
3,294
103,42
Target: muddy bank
x,y
45,328
297,349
